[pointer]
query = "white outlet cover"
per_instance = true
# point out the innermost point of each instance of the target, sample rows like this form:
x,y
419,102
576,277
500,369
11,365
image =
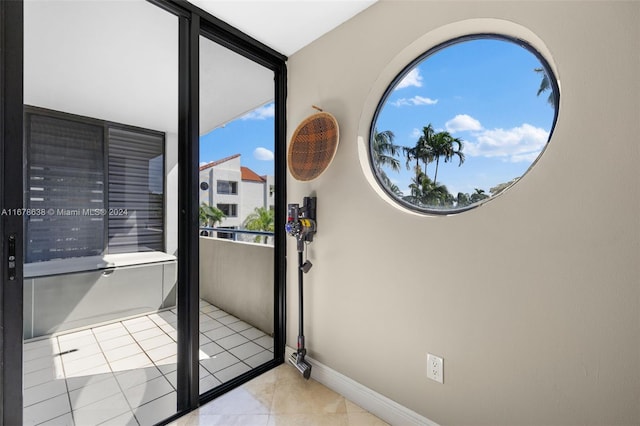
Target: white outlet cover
x,y
435,368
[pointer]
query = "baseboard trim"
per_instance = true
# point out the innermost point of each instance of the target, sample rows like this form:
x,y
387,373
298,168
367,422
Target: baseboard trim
x,y
375,403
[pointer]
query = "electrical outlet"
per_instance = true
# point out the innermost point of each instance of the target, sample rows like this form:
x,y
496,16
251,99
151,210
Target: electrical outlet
x,y
435,368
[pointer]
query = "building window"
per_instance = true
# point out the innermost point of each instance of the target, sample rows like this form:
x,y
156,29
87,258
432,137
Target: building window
x,y
229,210
99,187
227,187
462,123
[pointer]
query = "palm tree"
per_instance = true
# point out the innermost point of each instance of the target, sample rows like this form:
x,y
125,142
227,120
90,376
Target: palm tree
x,y
462,199
415,196
390,185
435,195
261,219
210,215
545,85
384,150
444,145
478,195
421,151
425,192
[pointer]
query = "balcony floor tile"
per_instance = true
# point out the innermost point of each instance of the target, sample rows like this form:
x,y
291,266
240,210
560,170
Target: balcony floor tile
x,y
124,373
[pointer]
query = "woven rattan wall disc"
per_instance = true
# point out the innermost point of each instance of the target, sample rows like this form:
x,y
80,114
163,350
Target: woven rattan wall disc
x,y
313,146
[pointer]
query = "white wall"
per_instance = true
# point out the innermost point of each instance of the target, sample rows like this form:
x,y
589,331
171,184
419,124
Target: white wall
x,y
252,197
533,299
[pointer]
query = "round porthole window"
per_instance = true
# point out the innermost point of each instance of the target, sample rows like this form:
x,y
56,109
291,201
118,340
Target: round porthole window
x,y
463,123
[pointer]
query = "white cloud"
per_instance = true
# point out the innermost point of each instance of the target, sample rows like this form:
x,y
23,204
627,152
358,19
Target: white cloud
x,y
262,154
421,100
461,123
523,143
527,158
261,113
415,133
416,100
412,79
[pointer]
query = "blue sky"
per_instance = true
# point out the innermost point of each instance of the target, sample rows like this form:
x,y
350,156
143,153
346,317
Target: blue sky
x,y
482,91
251,136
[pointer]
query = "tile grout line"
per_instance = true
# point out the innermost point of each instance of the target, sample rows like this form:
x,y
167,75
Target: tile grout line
x,y
114,377
66,383
162,374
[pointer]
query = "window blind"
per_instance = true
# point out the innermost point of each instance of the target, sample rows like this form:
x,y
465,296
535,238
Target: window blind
x,y
65,177
136,199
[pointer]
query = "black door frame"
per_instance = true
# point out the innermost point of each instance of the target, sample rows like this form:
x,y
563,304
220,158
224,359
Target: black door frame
x,y
193,22
11,154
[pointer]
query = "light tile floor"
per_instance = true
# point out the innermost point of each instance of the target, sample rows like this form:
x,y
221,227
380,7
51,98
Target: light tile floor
x,y
280,397
124,373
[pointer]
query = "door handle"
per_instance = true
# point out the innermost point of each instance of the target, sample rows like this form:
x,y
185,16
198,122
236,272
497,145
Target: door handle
x,y
11,258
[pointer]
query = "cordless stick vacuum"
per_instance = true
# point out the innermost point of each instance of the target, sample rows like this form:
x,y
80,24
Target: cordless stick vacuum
x,y
301,224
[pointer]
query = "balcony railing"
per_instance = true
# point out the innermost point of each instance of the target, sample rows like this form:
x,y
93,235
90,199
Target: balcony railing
x,y
234,232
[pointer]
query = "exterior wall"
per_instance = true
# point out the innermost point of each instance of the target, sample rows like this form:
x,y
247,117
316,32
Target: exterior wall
x,y
532,299
252,197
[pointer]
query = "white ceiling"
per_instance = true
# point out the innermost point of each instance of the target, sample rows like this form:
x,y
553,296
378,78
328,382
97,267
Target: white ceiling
x,y
284,25
117,60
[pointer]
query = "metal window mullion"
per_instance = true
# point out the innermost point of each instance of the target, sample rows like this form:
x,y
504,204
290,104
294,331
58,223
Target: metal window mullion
x,y
188,237
280,184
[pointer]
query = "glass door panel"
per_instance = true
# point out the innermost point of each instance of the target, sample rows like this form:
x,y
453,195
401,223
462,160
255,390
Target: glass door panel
x,y
101,125
237,206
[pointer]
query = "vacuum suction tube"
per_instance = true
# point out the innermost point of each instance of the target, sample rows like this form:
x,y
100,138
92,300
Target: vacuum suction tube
x,y
301,224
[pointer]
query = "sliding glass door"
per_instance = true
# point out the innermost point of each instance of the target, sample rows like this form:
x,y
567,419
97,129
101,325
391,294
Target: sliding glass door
x,y
131,291
237,206
101,253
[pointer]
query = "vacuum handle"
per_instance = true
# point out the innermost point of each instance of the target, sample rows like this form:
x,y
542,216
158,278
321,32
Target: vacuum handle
x,y
300,300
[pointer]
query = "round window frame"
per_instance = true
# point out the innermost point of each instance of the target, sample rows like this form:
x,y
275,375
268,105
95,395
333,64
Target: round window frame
x,y
555,87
